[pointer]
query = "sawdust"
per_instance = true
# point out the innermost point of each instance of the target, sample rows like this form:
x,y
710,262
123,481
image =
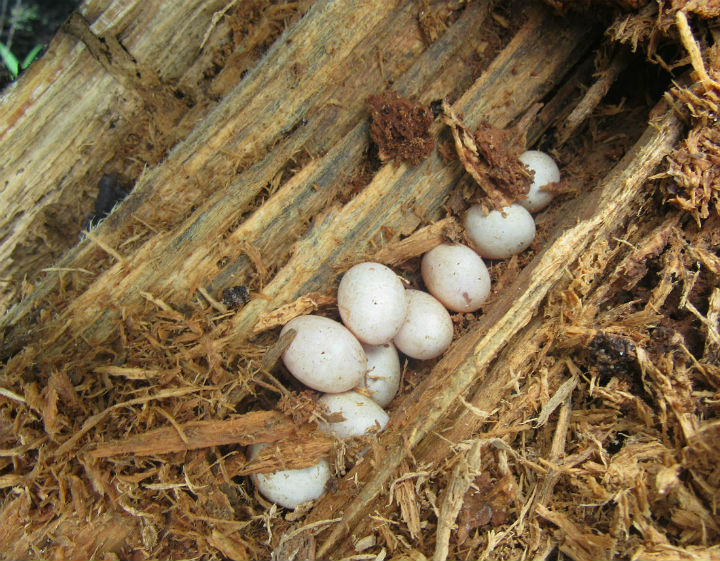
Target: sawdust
x,y
400,128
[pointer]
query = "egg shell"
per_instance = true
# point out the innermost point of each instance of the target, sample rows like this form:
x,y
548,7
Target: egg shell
x,y
382,377
371,301
324,355
496,236
546,171
362,415
291,487
457,276
428,330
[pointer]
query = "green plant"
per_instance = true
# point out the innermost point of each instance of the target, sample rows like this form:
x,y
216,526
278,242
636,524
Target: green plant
x,y
13,64
20,18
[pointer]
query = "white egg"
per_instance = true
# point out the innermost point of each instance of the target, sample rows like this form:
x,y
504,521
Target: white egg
x,y
371,301
496,236
457,276
428,329
546,171
324,355
291,487
362,415
383,372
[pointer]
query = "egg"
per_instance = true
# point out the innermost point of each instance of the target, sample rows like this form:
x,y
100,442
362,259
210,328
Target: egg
x,y
457,276
382,377
324,355
362,415
496,236
546,171
427,330
371,302
291,487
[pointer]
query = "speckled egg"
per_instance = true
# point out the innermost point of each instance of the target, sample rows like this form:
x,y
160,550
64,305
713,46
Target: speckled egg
x,y
428,330
371,301
362,415
457,276
498,235
324,355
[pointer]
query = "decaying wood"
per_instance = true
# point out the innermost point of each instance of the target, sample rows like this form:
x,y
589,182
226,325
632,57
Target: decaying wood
x,y
342,234
419,242
304,305
612,203
296,453
251,428
490,156
585,388
578,545
84,117
594,95
462,477
271,229
158,99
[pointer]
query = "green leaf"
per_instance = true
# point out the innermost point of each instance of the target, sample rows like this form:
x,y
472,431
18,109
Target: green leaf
x,y
10,60
32,55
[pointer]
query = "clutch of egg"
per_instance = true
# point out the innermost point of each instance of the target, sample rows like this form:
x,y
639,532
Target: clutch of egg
x,y
379,314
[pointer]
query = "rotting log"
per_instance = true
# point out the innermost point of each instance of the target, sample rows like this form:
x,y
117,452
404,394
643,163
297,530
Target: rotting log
x,y
158,273
206,161
81,122
602,213
402,198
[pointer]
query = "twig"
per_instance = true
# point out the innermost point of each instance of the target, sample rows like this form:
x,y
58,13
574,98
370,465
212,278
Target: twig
x,y
12,395
217,16
556,450
691,46
105,247
462,477
250,428
593,96
219,306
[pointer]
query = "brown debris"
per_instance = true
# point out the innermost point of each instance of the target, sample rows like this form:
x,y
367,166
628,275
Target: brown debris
x,y
583,110
576,543
251,428
588,5
453,499
298,452
490,156
303,305
400,128
695,170
487,502
706,9
693,166
405,496
419,242
435,17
